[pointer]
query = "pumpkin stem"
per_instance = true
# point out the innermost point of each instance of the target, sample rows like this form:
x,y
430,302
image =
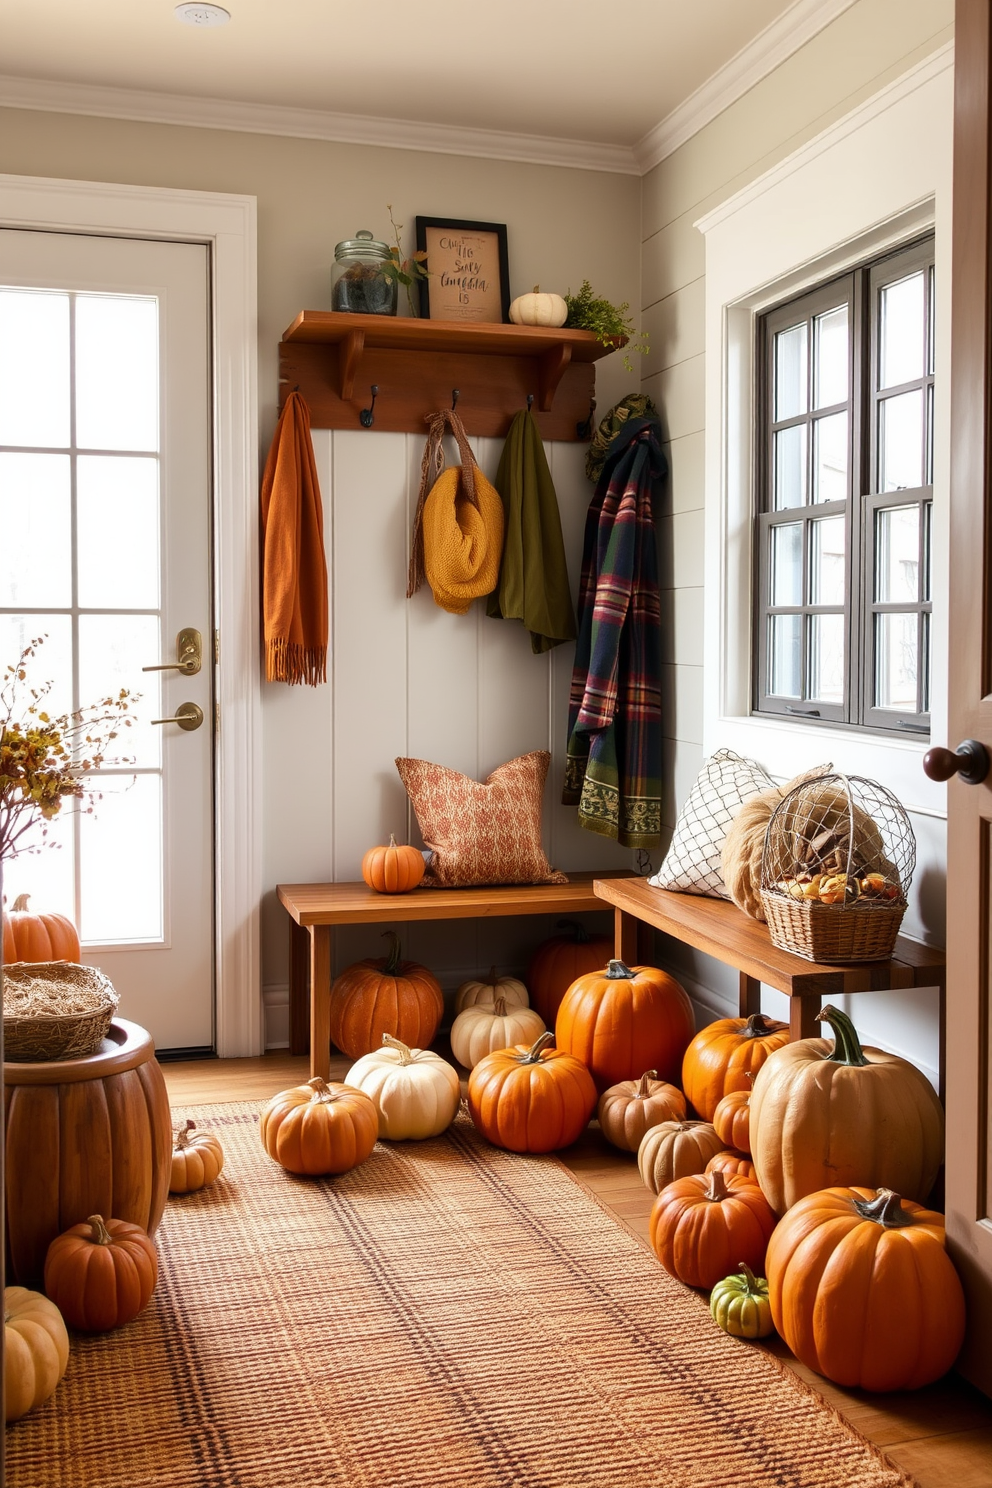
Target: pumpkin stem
x,y
101,1235
406,1054
718,1189
392,841
20,905
500,1007
391,964
847,1046
885,1208
182,1135
618,971
758,1026
533,1055
642,1092
321,1092
750,1280
579,933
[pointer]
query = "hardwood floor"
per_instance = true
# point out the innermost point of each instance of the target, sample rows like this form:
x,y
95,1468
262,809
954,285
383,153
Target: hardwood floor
x,y
942,1435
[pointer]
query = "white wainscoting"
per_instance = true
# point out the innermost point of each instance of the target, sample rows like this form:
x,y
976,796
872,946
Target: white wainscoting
x,y
406,678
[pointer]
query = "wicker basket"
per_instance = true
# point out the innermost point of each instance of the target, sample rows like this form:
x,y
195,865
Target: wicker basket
x,y
838,860
55,1010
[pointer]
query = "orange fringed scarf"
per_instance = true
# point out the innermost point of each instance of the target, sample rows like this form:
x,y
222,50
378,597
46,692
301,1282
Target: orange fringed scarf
x,y
294,570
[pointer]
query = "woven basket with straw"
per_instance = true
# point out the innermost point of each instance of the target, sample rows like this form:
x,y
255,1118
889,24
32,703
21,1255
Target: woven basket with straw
x,y
55,1010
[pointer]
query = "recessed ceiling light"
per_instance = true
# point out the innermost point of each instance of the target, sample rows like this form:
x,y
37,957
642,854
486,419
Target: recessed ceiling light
x,y
201,14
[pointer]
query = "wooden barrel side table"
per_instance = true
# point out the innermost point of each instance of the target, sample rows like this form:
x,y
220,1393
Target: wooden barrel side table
x,y
84,1136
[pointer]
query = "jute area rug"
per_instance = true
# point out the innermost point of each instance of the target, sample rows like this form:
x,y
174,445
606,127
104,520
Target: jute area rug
x,y
447,1314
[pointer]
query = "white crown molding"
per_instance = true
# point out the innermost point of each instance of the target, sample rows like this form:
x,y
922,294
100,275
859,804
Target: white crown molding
x,y
769,49
931,67
351,129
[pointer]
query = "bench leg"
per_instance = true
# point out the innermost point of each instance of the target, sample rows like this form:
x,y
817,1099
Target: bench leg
x,y
803,1008
625,928
320,1001
750,995
299,989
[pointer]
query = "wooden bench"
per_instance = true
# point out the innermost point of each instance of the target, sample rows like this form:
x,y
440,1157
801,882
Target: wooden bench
x,y
721,930
315,910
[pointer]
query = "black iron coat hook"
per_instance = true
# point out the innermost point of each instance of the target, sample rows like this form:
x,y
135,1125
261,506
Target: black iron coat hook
x,y
367,415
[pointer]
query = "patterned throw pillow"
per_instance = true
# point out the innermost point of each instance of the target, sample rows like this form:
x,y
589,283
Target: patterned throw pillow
x,y
692,863
488,833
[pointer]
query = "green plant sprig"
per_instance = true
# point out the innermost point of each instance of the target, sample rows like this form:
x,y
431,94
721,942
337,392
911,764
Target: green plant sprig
x,y
611,324
406,271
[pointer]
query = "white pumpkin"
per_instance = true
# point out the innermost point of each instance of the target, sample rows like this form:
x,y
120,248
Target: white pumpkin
x,y
539,309
482,1029
415,1092
513,992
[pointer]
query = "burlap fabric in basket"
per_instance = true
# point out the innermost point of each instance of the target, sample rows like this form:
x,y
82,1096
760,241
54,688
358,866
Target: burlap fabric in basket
x,y
740,861
55,1010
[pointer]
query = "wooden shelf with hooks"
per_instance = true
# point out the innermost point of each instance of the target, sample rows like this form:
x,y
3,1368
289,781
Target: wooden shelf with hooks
x,y
335,359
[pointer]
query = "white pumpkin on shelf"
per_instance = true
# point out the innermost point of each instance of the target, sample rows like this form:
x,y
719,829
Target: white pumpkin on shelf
x,y
512,991
482,1029
415,1091
537,309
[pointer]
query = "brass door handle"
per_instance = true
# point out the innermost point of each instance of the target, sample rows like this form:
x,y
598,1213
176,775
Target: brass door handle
x,y
189,716
189,649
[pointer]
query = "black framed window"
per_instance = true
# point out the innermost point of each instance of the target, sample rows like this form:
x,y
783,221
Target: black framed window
x,y
845,497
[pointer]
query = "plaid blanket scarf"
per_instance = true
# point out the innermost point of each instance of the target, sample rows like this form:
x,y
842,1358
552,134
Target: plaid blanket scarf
x,y
613,763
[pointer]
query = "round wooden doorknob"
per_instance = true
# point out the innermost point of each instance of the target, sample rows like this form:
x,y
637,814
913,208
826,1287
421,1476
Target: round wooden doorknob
x,y
970,761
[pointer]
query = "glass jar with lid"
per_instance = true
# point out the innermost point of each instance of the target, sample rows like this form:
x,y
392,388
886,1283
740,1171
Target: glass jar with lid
x,y
359,281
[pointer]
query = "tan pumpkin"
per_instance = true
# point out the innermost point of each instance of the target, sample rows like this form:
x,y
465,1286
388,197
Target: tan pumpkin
x,y
732,1120
627,1110
101,1274
824,1115
740,860
197,1158
36,1350
487,989
384,995
414,1091
316,1128
30,936
675,1149
393,869
538,309
482,1029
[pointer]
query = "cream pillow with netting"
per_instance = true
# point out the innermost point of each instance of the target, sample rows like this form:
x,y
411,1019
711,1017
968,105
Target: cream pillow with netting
x,y
692,863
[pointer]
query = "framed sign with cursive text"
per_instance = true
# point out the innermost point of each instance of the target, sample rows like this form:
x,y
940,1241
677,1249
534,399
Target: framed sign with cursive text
x,y
467,274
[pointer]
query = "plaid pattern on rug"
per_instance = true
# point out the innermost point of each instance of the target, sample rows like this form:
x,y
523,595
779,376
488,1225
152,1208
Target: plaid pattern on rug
x,y
446,1314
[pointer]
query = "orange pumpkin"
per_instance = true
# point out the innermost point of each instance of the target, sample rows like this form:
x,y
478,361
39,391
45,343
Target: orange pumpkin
x,y
723,1055
385,995
732,1119
619,1020
557,963
37,937
197,1158
863,1291
731,1164
101,1273
626,1111
392,869
317,1128
706,1226
531,1100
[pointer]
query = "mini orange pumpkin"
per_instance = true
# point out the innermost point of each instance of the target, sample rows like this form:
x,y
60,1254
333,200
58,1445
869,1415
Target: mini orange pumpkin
x,y
101,1273
392,869
626,1111
724,1054
196,1160
531,1100
732,1120
731,1164
317,1128
385,995
557,962
699,1225
621,1019
37,937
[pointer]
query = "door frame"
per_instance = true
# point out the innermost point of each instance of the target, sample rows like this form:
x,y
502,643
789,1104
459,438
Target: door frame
x,y
226,224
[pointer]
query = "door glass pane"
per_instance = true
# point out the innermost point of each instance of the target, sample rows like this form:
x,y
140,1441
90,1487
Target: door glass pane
x,y
826,682
925,699
112,651
116,372
927,547
121,862
45,869
830,458
34,368
901,442
790,372
52,661
784,662
828,561
896,661
790,467
901,331
35,531
831,361
118,532
930,337
897,554
787,564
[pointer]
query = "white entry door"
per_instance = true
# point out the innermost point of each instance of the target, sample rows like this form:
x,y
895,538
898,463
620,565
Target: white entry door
x,y
105,550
